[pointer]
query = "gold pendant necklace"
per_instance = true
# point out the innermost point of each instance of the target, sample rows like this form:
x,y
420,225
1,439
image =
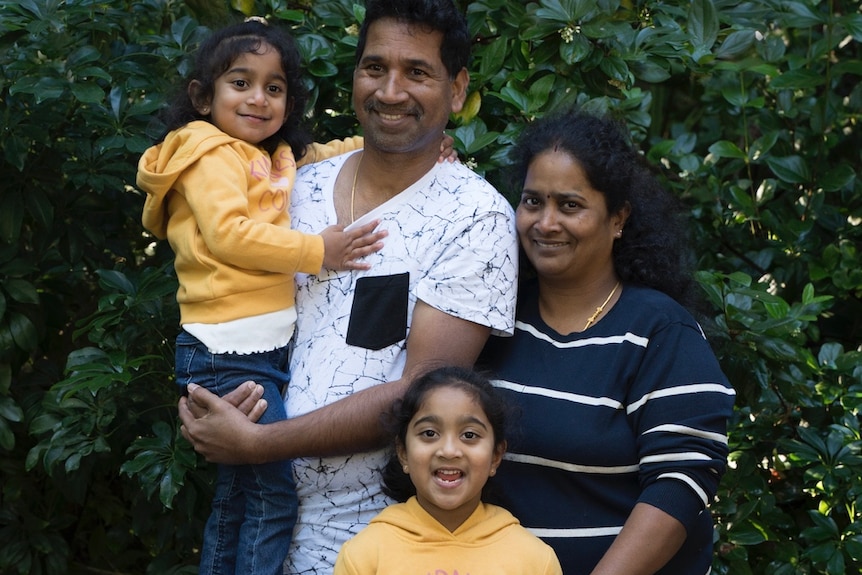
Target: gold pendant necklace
x,y
601,308
353,188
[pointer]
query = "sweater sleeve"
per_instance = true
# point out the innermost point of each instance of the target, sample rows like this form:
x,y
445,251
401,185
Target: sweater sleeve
x,y
678,407
317,152
220,205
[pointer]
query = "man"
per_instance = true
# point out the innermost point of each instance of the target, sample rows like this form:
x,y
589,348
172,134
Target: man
x,y
444,279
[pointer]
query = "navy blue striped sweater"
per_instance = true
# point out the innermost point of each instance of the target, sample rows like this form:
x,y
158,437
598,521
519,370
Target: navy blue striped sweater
x,y
634,409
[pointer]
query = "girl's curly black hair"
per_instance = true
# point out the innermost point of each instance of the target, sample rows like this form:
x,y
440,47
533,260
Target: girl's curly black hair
x,y
214,57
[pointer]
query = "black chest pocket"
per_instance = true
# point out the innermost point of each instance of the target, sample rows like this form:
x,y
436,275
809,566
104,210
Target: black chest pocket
x,y
378,317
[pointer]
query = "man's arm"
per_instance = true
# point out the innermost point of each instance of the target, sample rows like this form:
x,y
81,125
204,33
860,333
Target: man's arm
x,y
225,435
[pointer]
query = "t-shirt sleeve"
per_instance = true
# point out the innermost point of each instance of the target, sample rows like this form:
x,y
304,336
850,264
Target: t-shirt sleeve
x,y
475,276
679,406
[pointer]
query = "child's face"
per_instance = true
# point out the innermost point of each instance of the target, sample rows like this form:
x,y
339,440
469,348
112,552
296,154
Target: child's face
x,y
449,452
250,100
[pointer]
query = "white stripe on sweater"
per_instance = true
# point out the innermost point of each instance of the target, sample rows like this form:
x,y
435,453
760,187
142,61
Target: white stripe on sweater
x,y
614,339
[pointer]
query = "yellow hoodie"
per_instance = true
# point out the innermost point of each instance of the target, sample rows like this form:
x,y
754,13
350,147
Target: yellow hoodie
x,y
222,205
405,539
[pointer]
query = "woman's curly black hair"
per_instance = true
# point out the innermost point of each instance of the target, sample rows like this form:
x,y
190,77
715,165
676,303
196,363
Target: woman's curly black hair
x,y
396,483
654,249
214,57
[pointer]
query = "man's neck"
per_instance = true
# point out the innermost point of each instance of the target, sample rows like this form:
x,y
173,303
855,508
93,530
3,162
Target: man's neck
x,y
369,179
387,175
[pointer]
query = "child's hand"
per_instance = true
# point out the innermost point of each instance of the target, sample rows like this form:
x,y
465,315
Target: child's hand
x,y
341,249
448,153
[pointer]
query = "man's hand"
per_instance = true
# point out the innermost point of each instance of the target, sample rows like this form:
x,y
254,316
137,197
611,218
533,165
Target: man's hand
x,y
217,429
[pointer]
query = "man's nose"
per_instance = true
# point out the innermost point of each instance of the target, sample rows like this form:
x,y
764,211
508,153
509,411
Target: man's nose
x,y
391,87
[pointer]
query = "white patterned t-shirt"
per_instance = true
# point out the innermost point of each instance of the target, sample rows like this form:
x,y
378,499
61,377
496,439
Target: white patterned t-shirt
x,y
451,244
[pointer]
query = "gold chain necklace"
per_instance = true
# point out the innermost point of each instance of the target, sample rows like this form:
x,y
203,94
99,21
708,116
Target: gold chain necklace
x,y
353,188
601,308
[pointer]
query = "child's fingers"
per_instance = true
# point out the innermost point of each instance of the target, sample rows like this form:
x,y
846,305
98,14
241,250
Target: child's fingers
x,y
368,240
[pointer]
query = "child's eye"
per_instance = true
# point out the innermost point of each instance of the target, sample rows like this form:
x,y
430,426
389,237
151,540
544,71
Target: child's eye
x,y
275,89
471,435
427,433
240,83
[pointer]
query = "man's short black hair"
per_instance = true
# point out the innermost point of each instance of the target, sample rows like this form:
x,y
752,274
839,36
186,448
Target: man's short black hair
x,y
438,15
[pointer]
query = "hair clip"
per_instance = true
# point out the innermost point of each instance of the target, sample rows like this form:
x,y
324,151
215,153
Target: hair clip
x,y
259,19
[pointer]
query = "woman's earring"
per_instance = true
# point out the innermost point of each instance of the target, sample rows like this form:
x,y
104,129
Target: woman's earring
x,y
619,233
406,470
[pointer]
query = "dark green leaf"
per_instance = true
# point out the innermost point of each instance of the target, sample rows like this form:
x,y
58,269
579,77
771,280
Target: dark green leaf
x,y
10,411
838,177
88,93
577,50
23,331
702,24
797,80
736,44
792,169
725,149
800,15
21,290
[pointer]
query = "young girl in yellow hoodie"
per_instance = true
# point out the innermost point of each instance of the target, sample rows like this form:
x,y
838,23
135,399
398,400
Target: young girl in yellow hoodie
x,y
449,439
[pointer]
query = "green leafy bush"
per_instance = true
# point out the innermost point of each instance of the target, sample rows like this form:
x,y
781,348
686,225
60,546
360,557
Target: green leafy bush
x,y
750,109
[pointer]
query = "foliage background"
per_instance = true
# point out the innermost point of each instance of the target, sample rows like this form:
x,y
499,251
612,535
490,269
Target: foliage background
x,y
750,109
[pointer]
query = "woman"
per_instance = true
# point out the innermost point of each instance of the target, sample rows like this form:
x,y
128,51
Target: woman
x,y
621,441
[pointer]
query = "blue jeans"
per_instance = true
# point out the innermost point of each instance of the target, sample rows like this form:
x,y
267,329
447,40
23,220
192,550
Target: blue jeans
x,y
254,507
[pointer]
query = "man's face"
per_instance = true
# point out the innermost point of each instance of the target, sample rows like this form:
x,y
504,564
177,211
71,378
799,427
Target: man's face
x,y
402,93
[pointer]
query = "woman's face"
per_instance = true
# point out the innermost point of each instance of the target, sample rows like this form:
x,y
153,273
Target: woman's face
x,y
563,222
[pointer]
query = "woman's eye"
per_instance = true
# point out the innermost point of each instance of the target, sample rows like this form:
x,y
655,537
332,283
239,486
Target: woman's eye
x,y
529,201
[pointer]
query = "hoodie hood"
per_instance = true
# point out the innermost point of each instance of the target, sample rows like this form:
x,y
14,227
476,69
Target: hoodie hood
x,y
404,538
162,164
415,524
